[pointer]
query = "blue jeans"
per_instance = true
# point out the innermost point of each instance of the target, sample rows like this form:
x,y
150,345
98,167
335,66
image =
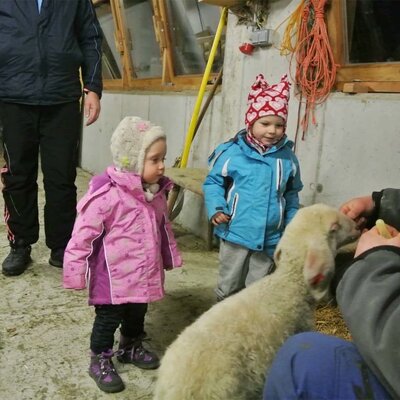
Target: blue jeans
x,y
313,366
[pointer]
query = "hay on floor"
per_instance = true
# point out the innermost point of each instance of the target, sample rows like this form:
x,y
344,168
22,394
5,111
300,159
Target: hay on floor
x,y
329,320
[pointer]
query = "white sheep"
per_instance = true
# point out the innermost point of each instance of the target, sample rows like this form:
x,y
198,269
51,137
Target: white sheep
x,y
226,352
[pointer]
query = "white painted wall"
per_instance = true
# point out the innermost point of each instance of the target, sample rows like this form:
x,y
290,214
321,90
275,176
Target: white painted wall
x,y
353,150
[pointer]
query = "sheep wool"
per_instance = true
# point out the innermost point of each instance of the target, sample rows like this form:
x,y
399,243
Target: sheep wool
x,y
226,352
130,141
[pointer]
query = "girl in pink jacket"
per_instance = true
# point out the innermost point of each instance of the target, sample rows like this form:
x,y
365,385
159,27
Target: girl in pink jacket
x,y
120,246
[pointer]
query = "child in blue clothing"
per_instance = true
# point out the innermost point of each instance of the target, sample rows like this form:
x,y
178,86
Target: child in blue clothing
x,y
251,191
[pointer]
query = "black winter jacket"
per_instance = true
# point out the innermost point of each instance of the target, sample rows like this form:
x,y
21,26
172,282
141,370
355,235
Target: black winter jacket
x,y
40,54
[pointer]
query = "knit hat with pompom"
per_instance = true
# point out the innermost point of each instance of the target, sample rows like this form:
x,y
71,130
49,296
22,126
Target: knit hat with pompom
x,y
130,141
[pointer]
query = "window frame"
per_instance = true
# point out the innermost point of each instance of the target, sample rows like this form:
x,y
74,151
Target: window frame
x,y
168,81
357,78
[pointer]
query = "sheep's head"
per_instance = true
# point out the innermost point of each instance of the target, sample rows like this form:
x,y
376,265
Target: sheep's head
x,y
321,230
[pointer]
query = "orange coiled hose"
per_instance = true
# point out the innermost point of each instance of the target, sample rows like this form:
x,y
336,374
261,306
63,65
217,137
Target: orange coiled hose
x,y
315,64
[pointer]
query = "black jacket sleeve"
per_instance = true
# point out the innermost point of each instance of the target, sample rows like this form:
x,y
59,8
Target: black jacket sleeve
x,y
90,40
387,207
369,298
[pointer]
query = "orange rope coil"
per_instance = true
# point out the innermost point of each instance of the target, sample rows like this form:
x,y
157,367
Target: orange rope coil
x,y
315,64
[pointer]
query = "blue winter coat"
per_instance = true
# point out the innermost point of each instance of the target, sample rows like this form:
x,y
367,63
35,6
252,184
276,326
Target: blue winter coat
x,y
259,192
40,54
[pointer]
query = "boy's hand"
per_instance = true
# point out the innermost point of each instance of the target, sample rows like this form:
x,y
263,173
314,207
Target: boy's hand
x,y
372,238
220,218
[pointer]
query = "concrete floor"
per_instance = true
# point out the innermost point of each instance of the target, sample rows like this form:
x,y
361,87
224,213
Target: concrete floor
x,y
45,330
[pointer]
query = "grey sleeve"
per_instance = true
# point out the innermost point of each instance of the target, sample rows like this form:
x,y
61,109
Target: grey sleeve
x,y
369,298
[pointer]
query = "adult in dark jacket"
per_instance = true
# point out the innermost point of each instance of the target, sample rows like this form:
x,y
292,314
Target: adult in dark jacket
x,y
312,365
44,45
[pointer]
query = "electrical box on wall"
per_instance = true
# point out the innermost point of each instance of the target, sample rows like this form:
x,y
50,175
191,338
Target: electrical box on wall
x,y
258,38
261,37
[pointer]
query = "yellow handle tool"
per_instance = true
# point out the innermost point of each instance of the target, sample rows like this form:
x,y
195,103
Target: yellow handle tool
x,y
382,229
203,86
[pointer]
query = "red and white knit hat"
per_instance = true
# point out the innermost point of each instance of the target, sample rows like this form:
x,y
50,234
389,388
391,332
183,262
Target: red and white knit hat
x,y
266,100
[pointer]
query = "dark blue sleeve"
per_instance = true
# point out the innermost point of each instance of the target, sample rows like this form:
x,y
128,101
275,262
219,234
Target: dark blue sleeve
x,y
90,39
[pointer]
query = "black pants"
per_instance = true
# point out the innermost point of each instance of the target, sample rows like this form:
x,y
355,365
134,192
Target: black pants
x,y
54,133
109,317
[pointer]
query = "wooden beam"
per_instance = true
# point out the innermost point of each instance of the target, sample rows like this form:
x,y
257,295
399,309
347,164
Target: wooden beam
x,y
113,84
372,86
378,72
123,41
180,83
161,28
188,178
191,179
223,3
355,87
168,41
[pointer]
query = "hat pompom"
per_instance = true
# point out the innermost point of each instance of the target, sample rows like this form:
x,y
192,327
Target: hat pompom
x,y
265,99
130,141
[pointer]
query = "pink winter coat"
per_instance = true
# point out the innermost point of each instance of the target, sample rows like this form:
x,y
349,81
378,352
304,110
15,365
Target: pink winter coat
x,y
121,243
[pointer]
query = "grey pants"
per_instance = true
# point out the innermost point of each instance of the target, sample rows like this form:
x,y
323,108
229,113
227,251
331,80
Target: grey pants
x,y
239,267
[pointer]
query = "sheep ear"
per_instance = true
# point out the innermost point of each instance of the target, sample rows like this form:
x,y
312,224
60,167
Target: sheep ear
x,y
334,227
318,270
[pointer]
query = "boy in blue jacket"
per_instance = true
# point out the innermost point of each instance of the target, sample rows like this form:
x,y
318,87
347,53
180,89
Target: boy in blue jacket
x,y
251,191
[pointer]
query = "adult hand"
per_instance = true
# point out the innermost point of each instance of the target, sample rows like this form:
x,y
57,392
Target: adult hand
x,y
358,209
372,238
220,218
91,107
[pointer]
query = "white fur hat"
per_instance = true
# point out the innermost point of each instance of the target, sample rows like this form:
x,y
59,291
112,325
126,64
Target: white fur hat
x,y
130,141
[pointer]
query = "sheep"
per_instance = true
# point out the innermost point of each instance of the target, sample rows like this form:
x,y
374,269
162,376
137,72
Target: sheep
x,y
226,352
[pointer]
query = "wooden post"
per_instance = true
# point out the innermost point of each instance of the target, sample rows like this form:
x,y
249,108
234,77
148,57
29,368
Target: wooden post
x,y
123,42
160,22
